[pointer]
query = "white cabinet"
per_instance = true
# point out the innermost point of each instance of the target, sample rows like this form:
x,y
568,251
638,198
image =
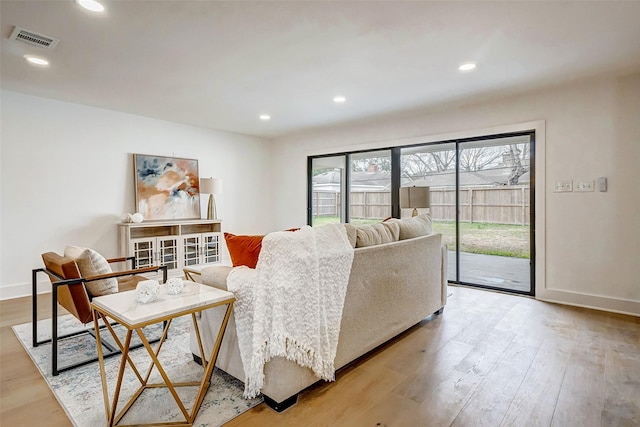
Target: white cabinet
x,y
174,244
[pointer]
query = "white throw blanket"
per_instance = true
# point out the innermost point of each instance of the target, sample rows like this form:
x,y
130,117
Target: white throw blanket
x,y
291,304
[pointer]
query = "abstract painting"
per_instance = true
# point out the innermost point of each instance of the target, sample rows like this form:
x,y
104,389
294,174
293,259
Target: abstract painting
x,y
166,187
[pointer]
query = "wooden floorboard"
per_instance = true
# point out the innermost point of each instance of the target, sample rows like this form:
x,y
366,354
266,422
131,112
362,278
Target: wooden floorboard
x,y
491,359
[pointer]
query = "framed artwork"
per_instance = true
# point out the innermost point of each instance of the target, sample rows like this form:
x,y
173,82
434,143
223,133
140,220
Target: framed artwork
x,y
167,188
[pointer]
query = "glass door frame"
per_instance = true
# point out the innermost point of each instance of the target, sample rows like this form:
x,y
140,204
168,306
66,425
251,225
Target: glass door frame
x,y
395,197
532,246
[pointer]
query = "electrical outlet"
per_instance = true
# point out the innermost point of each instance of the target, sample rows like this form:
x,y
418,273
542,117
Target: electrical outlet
x,y
584,186
563,187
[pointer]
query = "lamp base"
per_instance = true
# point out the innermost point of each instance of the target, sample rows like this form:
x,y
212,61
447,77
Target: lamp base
x,y
211,211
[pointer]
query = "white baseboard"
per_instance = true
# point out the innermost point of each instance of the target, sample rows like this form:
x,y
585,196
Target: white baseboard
x,y
596,302
20,290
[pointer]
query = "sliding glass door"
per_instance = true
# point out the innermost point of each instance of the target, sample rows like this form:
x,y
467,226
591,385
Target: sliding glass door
x,y
481,200
494,191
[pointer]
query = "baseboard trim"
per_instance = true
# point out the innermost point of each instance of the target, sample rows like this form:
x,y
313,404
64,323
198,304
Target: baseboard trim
x,y
595,302
20,290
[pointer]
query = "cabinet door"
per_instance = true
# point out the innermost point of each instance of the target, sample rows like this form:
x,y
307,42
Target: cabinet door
x,y
191,252
167,251
211,247
143,250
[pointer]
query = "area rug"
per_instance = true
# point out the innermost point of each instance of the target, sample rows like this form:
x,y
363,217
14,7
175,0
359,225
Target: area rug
x,y
79,390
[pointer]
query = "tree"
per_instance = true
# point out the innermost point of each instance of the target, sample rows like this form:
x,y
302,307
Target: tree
x,y
479,158
514,157
418,165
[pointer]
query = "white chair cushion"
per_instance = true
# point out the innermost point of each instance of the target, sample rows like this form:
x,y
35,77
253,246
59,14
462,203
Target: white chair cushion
x,y
91,263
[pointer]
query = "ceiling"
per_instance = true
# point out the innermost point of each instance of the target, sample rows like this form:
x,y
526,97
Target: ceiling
x,y
221,64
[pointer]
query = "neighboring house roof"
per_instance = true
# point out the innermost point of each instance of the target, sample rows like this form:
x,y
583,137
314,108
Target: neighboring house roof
x,y
487,177
378,180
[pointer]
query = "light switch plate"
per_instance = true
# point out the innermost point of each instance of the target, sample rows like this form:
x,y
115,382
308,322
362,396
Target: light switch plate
x,y
584,186
563,187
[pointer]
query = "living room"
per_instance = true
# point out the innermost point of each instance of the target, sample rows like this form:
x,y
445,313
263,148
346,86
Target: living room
x,y
67,171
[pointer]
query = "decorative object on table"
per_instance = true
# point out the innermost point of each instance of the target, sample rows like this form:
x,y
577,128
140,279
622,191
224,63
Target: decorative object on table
x,y
175,285
415,198
147,291
211,186
166,187
133,218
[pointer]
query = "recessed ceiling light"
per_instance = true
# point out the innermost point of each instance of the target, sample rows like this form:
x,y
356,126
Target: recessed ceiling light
x,y
36,60
339,99
91,5
265,117
467,66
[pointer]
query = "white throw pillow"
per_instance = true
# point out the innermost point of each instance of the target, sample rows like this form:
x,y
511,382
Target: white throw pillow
x,y
414,227
91,263
376,234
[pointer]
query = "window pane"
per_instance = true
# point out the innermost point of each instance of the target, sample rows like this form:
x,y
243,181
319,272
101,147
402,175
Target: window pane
x,y
434,166
370,187
327,186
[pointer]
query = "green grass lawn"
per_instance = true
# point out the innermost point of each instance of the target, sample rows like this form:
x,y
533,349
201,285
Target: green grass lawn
x,y
476,238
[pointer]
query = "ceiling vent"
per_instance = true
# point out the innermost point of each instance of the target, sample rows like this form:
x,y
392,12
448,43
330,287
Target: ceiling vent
x,y
33,38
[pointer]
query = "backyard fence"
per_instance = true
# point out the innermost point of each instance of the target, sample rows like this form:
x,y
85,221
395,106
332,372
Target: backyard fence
x,y
500,205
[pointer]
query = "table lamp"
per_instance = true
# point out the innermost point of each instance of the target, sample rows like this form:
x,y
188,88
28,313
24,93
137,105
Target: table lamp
x,y
211,186
414,197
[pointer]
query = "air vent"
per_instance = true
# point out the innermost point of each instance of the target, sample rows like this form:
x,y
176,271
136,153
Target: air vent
x,y
33,38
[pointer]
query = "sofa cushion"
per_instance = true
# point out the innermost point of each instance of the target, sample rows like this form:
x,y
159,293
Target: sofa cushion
x,y
413,227
244,250
91,263
376,234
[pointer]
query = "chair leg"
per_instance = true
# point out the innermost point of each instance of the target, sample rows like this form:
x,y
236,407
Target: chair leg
x,y
34,306
54,331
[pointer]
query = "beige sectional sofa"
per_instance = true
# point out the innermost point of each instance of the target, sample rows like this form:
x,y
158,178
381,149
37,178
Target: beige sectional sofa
x,y
392,286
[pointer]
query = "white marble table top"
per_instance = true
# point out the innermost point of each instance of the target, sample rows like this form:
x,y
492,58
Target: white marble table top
x,y
132,313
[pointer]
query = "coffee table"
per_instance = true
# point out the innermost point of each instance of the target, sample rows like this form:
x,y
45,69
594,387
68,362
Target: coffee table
x,y
134,316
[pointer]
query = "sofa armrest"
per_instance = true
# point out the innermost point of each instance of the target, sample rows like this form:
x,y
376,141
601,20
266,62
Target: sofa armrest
x,y
445,273
216,276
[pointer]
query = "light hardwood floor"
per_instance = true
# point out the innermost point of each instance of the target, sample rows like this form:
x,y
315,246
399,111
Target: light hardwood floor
x,y
490,360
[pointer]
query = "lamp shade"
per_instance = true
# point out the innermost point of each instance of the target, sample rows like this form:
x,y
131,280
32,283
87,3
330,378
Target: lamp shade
x,y
210,185
414,197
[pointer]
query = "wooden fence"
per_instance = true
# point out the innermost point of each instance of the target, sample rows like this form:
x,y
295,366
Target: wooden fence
x,y
500,205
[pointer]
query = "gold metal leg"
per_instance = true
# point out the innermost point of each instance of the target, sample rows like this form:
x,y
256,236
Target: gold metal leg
x,y
197,330
206,379
103,374
116,393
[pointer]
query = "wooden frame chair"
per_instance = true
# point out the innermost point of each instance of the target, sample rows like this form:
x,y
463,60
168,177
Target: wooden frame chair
x,y
69,290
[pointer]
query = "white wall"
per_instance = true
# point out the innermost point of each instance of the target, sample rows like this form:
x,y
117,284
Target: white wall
x,y
67,178
588,243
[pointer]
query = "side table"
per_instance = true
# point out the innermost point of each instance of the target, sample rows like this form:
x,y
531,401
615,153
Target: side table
x,y
134,316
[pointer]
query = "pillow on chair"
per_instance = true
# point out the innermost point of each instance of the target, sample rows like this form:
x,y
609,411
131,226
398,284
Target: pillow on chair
x,y
91,263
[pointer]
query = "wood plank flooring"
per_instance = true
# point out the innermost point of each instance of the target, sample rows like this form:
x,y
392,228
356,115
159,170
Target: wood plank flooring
x,y
490,360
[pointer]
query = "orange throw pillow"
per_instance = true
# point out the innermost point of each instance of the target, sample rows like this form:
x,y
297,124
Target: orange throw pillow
x,y
244,250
